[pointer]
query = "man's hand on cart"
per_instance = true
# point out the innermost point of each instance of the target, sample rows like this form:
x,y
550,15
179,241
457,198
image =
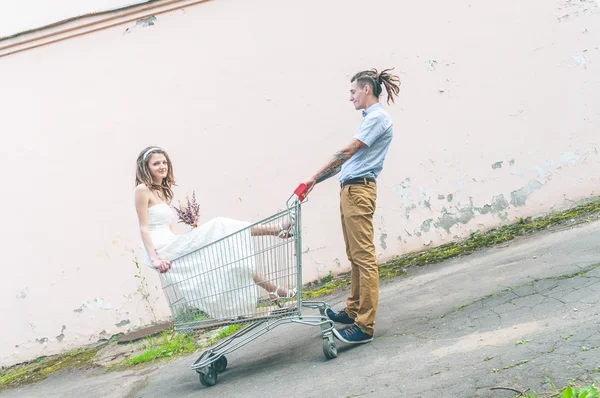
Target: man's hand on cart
x,y
161,265
304,189
333,167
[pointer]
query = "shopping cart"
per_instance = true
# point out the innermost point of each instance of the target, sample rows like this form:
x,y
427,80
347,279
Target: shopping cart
x,y
252,278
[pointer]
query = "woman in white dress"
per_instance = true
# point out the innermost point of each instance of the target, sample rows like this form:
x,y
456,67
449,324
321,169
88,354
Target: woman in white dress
x,y
160,245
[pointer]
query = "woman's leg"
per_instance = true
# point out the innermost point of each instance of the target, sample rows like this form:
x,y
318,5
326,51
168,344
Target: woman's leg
x,y
270,287
270,230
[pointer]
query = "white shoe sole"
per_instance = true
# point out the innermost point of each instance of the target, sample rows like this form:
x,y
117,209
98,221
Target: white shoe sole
x,y
337,334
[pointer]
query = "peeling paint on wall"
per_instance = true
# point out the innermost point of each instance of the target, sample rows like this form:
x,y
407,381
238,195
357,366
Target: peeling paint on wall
x,y
581,59
569,157
61,336
519,197
123,323
403,192
546,169
572,9
145,22
102,304
431,63
498,207
448,220
425,198
426,226
85,304
382,240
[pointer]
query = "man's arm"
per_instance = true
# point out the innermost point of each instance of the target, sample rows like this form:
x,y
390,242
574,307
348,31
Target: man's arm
x,y
335,164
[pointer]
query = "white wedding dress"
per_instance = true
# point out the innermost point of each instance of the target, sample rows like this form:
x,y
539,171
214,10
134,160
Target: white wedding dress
x,y
218,279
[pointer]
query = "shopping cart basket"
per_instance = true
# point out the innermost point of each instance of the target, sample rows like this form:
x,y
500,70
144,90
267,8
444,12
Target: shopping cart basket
x,y
253,278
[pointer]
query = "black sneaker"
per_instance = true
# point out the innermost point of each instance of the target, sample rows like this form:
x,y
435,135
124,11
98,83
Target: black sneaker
x,y
352,335
340,317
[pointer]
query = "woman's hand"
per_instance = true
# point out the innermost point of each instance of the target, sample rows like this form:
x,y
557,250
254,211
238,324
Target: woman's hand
x,y
162,265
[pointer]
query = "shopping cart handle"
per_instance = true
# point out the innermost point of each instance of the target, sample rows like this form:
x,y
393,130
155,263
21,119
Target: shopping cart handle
x,y
300,192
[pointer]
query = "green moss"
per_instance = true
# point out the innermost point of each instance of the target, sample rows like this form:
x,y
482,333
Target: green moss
x,y
494,236
171,344
570,391
328,277
223,333
321,289
41,367
476,241
164,347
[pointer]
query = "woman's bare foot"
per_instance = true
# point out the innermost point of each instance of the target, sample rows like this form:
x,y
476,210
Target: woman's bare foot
x,y
285,231
282,292
275,292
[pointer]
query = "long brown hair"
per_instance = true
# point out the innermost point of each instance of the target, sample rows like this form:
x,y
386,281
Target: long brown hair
x,y
376,79
143,175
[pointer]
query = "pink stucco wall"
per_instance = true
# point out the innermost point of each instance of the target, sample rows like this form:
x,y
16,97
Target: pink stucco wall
x,y
497,119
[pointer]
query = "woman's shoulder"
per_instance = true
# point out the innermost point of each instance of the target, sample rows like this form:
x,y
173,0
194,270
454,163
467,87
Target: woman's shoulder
x,y
141,188
141,191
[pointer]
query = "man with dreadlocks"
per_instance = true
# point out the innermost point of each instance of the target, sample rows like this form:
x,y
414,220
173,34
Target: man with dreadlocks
x,y
359,165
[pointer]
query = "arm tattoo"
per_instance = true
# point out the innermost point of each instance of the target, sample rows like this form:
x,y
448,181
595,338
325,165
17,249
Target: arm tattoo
x,y
325,175
335,164
333,167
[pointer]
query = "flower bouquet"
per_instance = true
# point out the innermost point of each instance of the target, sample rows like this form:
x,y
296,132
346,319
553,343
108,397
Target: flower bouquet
x,y
189,213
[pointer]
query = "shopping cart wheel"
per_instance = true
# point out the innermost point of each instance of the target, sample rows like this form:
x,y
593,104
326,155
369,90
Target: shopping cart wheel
x,y
329,349
220,364
210,378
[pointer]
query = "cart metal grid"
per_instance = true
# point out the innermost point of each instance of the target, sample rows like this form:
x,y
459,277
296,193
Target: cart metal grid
x,y
252,277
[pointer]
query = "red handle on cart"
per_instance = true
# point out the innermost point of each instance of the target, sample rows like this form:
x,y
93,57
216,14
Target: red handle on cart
x,y
301,192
